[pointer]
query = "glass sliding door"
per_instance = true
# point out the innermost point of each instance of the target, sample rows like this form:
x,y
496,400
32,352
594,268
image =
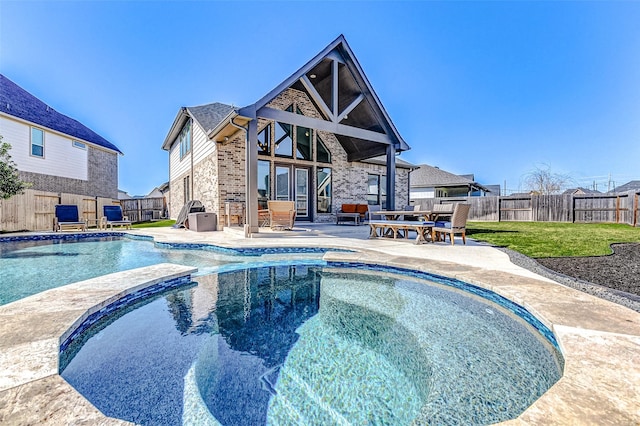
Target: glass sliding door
x,y
302,193
282,183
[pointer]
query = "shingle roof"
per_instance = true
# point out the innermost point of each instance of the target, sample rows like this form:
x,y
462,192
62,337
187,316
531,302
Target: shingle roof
x,y
581,189
210,115
429,176
633,185
16,101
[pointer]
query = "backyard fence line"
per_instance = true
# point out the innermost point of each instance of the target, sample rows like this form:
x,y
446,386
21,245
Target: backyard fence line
x,y
145,209
33,210
593,208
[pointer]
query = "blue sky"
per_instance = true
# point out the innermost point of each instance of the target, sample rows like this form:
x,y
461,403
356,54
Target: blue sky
x,y
490,88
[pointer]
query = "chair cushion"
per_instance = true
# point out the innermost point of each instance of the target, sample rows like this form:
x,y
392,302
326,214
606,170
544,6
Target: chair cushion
x,y
349,208
67,213
441,224
113,213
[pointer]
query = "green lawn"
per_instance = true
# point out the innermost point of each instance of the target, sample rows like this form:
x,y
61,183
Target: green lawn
x,y
154,224
550,239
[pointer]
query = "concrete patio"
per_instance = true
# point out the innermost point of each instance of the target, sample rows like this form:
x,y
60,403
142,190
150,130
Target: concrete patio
x,y
600,340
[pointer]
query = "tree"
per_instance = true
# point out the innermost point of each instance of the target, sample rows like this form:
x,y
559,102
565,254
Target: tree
x,y
542,181
10,183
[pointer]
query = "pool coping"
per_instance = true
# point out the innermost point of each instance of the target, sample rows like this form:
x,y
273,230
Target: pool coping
x,y
600,340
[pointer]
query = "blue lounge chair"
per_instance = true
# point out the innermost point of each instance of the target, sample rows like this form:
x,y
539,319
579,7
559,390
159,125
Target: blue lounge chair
x,y
113,216
66,217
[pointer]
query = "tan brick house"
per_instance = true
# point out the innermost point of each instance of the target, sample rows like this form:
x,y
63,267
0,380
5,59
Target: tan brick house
x,y
321,138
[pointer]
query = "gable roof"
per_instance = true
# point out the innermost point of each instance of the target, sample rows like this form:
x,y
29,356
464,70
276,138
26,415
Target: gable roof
x,y
338,87
17,102
356,116
210,117
426,176
581,190
633,185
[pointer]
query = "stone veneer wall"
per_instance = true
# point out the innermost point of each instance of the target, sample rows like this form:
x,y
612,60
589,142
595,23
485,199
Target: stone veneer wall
x,y
102,182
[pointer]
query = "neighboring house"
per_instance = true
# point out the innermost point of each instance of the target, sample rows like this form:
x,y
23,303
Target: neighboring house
x,y
633,185
52,151
309,138
581,191
430,182
123,195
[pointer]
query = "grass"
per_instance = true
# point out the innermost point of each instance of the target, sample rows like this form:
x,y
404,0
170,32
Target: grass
x,y
154,224
551,239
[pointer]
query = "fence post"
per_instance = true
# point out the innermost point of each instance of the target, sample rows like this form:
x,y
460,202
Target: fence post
x,y
618,209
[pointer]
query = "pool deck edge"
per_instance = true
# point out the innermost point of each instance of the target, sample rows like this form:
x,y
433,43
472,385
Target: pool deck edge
x,y
31,391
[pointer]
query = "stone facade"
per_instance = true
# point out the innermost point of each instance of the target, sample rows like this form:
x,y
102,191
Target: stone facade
x,y
102,182
220,177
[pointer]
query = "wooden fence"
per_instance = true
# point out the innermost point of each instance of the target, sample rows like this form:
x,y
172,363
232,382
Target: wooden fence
x,y
144,209
594,208
34,210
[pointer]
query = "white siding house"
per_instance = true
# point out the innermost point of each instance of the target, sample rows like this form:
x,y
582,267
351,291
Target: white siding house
x,y
52,151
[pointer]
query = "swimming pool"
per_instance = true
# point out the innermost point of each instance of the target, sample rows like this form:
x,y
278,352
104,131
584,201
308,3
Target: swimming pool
x,y
317,345
30,265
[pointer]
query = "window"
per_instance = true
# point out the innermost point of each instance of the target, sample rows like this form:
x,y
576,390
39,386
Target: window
x,y
264,176
373,184
321,151
303,141
187,188
284,142
264,139
80,145
324,190
185,139
377,190
37,142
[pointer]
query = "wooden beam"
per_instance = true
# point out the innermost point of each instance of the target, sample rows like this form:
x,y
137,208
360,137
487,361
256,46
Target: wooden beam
x,y
350,108
317,98
327,126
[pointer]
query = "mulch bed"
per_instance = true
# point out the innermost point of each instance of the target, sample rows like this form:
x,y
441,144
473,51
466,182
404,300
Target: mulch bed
x,y
618,271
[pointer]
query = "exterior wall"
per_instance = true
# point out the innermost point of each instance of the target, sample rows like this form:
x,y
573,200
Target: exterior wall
x,y
202,171
92,171
218,173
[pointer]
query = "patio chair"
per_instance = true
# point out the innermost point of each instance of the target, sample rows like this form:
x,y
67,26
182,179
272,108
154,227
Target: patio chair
x,y
442,212
457,225
410,208
66,217
372,212
113,216
282,214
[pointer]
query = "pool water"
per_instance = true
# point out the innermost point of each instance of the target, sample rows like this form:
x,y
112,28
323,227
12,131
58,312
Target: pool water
x,y
29,267
302,344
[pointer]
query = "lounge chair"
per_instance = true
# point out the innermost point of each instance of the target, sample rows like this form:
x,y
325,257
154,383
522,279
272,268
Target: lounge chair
x,y
66,217
282,214
457,225
113,216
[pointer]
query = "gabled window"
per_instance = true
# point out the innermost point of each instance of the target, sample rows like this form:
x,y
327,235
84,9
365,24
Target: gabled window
x,y
264,139
284,137
303,141
185,139
322,153
79,145
37,142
